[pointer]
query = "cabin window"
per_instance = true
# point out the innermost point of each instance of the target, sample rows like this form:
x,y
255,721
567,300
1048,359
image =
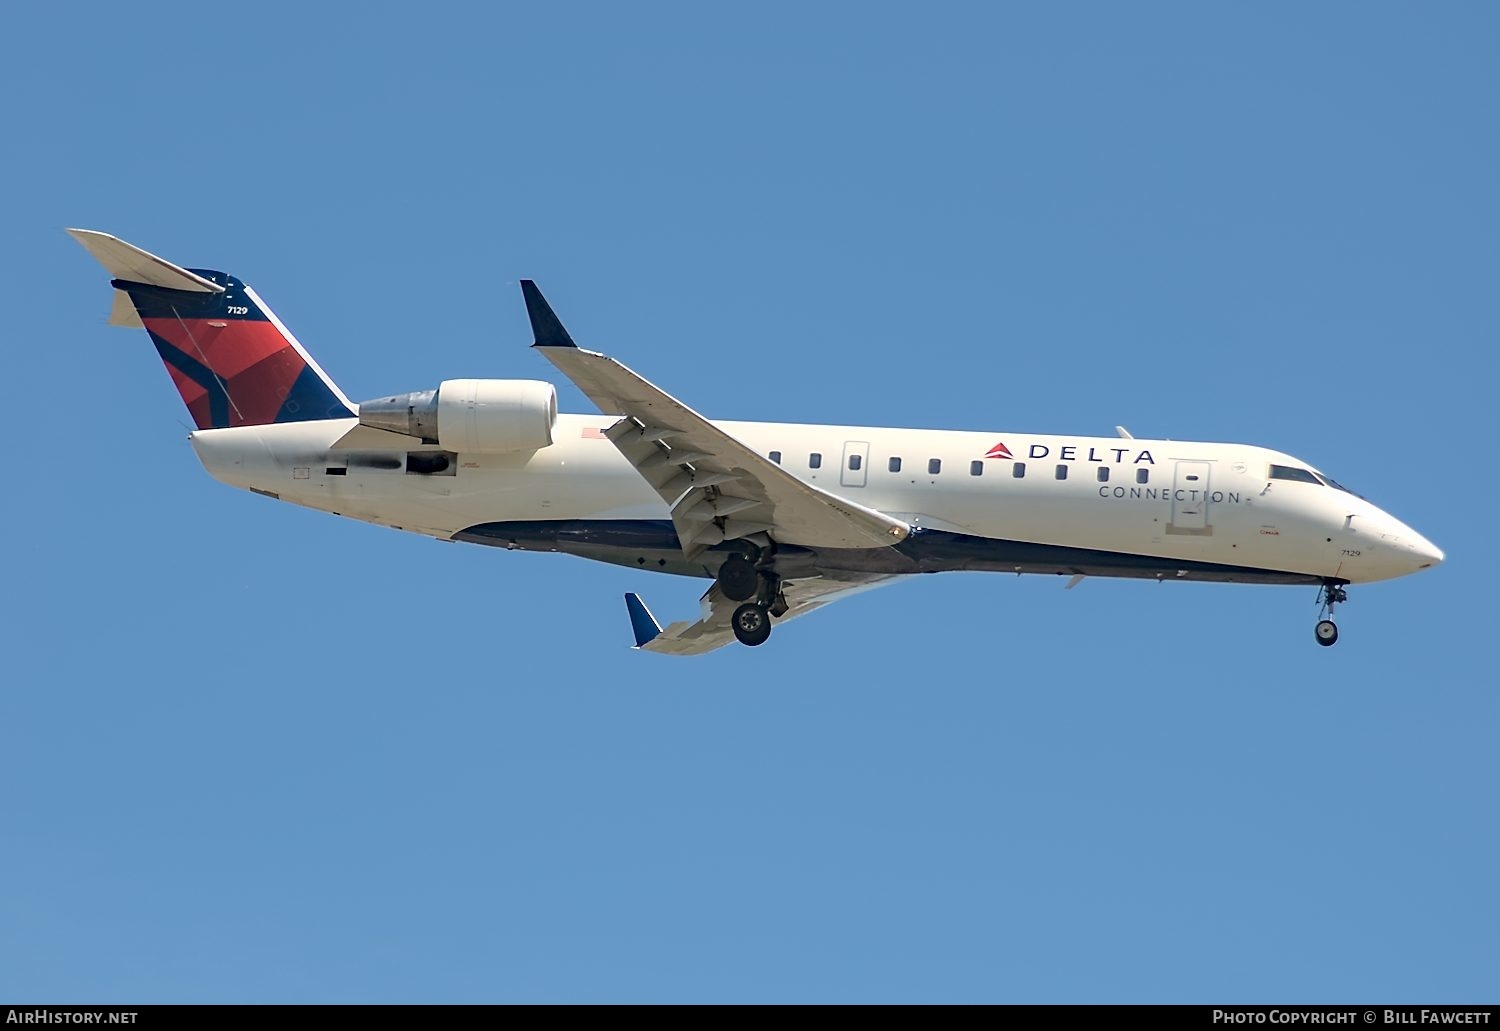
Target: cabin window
x,y
895,465
1143,476
1062,472
934,466
776,457
854,462
336,470
976,468
815,461
1288,472
1018,470
1102,474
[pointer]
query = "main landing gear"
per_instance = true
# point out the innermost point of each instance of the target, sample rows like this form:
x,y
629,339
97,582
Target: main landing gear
x,y
752,624
738,578
742,579
1327,631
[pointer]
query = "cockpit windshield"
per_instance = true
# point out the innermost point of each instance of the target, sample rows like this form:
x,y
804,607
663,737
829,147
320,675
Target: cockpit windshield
x,y
1292,472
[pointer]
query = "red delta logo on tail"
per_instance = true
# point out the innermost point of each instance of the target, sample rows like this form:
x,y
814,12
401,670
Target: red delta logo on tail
x,y
232,361
999,451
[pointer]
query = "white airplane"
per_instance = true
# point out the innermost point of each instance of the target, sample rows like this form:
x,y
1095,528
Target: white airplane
x,y
783,518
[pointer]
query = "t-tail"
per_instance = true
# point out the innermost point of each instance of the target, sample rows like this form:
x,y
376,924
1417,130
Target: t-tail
x,y
230,357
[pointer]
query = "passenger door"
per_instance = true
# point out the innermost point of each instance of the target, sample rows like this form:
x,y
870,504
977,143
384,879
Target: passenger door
x,y
1190,498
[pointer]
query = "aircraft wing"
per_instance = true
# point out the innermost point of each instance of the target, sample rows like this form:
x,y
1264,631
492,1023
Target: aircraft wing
x,y
717,487
711,630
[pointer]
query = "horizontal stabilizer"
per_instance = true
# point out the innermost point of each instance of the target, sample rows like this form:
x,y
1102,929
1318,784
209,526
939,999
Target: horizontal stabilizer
x,y
129,262
641,621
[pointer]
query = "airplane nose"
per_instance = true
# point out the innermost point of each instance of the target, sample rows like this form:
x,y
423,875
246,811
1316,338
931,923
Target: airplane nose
x,y
1429,555
1402,550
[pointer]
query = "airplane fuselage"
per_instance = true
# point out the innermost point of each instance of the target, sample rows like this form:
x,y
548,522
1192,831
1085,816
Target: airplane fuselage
x,y
784,518
1098,506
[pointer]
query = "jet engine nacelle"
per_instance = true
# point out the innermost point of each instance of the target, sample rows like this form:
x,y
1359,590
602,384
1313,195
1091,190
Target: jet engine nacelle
x,y
471,415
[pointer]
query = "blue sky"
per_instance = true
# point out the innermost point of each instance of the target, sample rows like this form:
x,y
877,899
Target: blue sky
x,y
254,753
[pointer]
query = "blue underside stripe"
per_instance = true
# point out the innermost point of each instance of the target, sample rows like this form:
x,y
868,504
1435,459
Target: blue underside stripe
x,y
925,551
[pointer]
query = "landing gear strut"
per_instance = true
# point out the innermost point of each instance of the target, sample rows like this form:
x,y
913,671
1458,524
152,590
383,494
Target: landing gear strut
x,y
1327,631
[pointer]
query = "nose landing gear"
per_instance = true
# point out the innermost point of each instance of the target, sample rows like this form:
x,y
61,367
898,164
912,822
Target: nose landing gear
x,y
1327,631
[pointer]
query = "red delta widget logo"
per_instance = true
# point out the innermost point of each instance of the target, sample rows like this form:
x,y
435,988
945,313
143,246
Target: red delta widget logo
x,y
999,451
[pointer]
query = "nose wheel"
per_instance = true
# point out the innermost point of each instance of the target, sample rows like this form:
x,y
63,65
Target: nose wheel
x,y
1327,631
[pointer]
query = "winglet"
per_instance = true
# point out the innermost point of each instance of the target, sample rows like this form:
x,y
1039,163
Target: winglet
x,y
646,628
545,327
